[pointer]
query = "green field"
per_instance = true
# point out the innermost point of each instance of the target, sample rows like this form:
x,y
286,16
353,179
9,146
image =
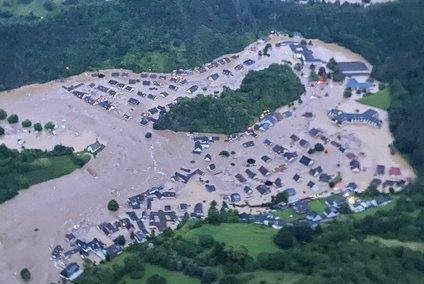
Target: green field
x,y
381,99
255,238
51,168
317,205
149,270
416,246
288,215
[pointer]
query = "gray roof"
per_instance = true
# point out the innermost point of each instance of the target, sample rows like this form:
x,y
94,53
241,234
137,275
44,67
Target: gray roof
x,y
353,66
370,116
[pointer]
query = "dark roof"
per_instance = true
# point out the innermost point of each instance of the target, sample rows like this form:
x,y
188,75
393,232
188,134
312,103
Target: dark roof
x,y
248,144
113,250
325,177
198,208
263,189
279,149
354,66
70,269
305,161
250,174
264,171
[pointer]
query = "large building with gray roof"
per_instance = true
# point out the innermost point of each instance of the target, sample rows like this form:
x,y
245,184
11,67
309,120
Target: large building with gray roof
x,y
370,117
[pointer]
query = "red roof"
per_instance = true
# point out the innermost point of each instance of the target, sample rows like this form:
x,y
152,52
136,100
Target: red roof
x,y
394,171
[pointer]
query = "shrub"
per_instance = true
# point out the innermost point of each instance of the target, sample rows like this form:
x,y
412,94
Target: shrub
x,y
148,135
230,279
224,153
13,118
284,238
49,126
136,274
113,205
3,114
38,127
347,93
26,123
25,274
1,131
49,5
319,147
120,240
209,275
156,279
206,241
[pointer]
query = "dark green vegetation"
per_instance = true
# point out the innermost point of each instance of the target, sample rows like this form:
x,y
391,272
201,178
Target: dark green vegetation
x,y
113,205
25,274
19,170
34,9
339,253
163,35
233,111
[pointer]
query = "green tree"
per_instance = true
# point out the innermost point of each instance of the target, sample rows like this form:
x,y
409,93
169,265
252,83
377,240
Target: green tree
x,y
13,118
25,274
38,127
113,205
3,114
156,279
213,214
206,241
319,147
49,126
1,131
26,123
284,238
148,135
209,275
120,240
224,153
280,197
347,93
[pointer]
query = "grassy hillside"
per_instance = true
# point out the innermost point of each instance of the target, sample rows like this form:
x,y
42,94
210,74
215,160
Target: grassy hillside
x,y
255,238
20,170
381,99
415,246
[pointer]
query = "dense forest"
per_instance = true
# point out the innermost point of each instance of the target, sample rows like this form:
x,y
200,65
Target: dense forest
x,y
233,111
19,170
163,35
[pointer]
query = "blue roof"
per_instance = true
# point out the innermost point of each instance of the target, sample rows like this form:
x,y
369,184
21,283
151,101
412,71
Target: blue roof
x,y
353,84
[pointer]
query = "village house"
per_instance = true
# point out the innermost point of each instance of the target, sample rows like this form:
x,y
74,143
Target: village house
x,y
264,171
95,147
71,272
380,170
355,166
247,190
312,186
297,178
306,161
